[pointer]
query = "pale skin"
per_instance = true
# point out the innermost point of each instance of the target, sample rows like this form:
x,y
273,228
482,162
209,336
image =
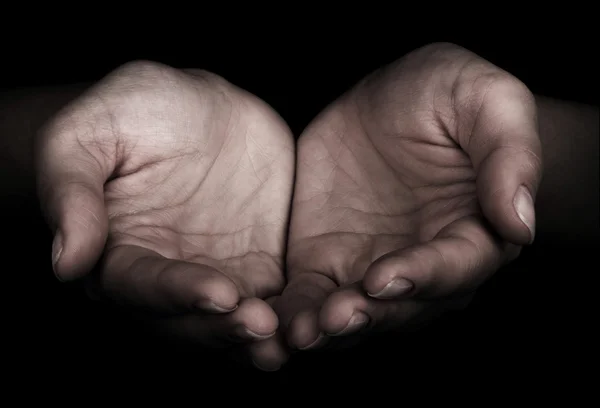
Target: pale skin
x,y
179,183
415,186
407,197
419,180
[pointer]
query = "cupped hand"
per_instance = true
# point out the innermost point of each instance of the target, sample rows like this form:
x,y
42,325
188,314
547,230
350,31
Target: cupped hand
x,y
179,183
411,190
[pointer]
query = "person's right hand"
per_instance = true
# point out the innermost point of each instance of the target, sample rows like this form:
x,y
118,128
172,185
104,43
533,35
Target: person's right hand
x,y
179,183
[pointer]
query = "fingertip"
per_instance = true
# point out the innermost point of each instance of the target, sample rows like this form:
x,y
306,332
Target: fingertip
x,y
510,218
339,311
382,280
258,318
525,209
269,367
143,277
321,340
216,294
394,289
253,321
357,322
81,231
506,188
74,261
57,248
269,355
210,306
303,330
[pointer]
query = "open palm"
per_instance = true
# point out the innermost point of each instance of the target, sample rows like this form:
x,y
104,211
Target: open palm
x,y
184,181
405,186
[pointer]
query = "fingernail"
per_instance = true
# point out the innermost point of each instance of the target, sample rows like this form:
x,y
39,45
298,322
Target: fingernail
x,y
395,288
523,203
357,322
57,248
267,369
320,340
209,306
243,333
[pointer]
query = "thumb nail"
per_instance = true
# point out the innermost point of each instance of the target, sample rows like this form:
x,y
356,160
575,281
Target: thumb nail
x,y
523,203
57,247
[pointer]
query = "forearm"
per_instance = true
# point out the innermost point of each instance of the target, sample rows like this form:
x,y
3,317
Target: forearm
x,y
567,202
22,113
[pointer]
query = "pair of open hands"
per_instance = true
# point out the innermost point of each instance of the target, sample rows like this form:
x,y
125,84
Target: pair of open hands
x,y
398,200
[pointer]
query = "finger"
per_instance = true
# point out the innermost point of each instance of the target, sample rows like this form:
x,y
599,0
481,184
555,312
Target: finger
x,y
141,278
267,355
270,354
462,256
298,308
70,180
506,152
252,321
350,311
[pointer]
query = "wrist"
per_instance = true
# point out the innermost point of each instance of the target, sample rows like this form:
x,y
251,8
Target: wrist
x,y
567,200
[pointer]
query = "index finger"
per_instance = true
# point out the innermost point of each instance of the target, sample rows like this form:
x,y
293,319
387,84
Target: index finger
x,y
460,258
142,278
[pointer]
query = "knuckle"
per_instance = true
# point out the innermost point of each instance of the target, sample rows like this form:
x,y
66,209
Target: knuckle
x,y
143,70
442,48
153,79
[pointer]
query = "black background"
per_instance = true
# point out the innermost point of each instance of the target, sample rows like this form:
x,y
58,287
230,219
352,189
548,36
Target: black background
x,y
527,325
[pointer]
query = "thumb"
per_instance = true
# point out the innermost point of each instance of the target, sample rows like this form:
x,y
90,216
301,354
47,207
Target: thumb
x,y
505,150
70,181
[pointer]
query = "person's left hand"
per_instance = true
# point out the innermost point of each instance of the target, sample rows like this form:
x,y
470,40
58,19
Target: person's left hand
x,y
411,190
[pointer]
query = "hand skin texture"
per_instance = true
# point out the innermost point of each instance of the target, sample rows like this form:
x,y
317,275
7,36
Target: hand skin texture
x,y
411,190
179,183
386,167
